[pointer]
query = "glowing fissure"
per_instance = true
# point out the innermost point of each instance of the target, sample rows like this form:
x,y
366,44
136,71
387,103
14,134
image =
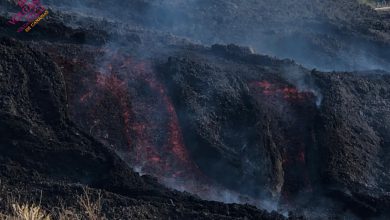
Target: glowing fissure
x,y
286,92
294,153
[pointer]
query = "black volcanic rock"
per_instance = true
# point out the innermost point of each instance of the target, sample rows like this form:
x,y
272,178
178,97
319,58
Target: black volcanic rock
x,y
354,136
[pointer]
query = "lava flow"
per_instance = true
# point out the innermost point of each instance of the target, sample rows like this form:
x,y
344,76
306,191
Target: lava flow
x,y
149,115
293,104
141,107
286,92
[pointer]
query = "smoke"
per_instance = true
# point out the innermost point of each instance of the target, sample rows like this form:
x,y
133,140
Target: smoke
x,y
303,81
219,194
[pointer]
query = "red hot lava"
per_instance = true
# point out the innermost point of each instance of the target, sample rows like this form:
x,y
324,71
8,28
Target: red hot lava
x,y
286,92
297,133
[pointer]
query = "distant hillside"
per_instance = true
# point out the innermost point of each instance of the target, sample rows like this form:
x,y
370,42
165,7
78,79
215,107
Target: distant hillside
x,y
327,35
376,3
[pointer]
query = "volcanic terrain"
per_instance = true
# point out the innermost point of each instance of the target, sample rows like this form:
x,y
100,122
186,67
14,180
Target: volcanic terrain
x,y
164,109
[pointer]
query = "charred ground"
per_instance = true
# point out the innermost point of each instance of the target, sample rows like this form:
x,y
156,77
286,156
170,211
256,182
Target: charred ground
x,y
85,99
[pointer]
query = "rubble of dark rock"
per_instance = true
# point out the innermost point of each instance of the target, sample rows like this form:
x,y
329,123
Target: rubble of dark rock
x,y
134,106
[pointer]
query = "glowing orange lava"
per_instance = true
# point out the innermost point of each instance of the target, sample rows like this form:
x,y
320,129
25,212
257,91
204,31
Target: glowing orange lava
x,y
169,160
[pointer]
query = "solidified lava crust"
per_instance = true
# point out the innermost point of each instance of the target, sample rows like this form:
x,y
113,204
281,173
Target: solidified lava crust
x,y
160,125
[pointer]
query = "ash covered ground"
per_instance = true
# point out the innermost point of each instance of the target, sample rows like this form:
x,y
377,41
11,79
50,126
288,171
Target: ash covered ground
x,y
199,109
